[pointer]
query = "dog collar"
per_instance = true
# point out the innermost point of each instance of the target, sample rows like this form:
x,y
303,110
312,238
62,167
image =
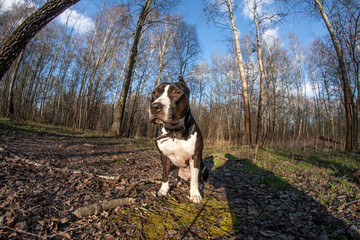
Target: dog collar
x,y
177,133
172,133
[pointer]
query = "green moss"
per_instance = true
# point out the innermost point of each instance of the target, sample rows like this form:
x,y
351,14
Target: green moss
x,y
210,219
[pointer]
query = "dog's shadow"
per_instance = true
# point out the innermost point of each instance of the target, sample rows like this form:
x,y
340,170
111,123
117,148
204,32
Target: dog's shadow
x,y
264,206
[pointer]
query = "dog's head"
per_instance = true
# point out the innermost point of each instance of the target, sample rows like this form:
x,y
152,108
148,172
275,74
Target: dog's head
x,y
170,104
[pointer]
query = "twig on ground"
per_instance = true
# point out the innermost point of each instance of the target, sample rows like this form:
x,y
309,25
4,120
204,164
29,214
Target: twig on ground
x,y
347,204
128,191
96,208
23,232
64,232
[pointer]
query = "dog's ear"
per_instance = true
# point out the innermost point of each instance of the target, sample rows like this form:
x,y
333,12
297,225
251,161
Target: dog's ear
x,y
181,80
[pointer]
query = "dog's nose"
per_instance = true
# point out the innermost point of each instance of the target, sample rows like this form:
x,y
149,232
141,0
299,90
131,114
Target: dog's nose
x,y
156,106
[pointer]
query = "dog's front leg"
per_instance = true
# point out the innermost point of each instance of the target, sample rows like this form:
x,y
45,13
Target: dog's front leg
x,y
194,180
166,171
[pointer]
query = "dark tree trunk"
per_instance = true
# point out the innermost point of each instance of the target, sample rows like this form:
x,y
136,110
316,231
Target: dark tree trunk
x,y
344,77
10,108
120,107
18,40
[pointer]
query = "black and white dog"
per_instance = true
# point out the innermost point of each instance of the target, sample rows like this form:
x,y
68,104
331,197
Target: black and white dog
x,y
178,138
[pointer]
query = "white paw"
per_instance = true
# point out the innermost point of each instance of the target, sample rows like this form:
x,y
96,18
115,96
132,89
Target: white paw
x,y
196,198
163,189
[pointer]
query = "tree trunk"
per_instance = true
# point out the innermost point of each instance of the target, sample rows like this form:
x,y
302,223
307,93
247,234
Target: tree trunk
x,y
18,40
262,77
329,105
10,101
120,108
242,75
79,103
345,80
163,49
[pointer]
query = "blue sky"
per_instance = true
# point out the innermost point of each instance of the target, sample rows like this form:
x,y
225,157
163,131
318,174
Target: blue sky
x,y
213,38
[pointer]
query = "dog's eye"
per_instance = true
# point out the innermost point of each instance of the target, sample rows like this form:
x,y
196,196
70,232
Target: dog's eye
x,y
176,93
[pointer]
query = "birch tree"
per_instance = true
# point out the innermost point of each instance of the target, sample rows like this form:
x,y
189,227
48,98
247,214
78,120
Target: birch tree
x,y
257,22
216,12
166,36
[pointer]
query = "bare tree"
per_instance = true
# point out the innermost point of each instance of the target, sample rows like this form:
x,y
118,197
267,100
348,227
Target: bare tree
x,y
166,34
186,45
148,5
311,6
216,13
120,108
10,100
257,22
345,80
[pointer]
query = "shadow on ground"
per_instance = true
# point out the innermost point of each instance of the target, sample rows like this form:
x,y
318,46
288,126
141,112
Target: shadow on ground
x,y
264,206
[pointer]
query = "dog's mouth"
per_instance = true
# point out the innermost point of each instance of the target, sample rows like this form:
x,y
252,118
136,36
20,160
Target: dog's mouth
x,y
168,124
161,121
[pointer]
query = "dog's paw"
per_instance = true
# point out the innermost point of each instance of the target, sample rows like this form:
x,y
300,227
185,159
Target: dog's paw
x,y
196,198
163,189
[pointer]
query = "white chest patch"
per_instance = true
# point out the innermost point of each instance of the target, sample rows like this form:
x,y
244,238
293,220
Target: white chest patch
x,y
178,151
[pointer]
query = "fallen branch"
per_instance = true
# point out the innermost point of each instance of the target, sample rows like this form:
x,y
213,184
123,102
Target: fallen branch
x,y
96,208
132,186
11,154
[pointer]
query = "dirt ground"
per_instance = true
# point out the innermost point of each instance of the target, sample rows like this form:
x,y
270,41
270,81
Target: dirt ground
x,y
46,175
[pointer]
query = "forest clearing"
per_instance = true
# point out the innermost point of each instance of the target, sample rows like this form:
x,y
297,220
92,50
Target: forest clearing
x,y
49,172
280,119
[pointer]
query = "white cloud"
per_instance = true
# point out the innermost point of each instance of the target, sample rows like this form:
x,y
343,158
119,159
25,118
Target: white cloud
x,y
270,35
76,20
248,9
71,17
260,7
6,5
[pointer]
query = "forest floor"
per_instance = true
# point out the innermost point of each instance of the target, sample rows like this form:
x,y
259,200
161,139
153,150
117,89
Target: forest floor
x,y
47,173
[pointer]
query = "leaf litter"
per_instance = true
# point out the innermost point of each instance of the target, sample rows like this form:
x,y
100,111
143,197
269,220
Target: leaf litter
x,y
242,199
